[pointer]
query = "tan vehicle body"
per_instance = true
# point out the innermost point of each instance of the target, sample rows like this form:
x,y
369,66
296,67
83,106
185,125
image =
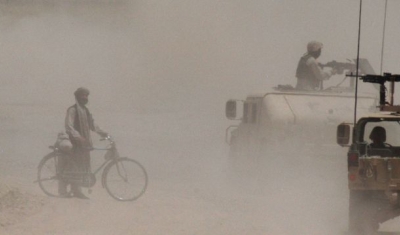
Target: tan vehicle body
x,y
274,119
373,173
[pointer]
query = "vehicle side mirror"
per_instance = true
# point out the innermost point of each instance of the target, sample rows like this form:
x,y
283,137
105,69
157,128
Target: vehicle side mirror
x,y
343,135
230,109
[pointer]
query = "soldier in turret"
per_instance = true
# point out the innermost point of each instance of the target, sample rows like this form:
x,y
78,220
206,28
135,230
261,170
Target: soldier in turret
x,y
309,74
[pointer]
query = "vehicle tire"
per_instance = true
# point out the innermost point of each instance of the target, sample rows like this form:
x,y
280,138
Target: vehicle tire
x,y
362,211
241,159
234,155
125,179
48,174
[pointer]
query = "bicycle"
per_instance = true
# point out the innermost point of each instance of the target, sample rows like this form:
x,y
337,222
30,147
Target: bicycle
x,y
123,178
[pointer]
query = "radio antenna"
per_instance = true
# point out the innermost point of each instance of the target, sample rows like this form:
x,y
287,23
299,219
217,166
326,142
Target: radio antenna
x,y
383,36
357,64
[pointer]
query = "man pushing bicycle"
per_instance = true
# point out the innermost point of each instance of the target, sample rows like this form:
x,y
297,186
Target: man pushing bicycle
x,y
78,124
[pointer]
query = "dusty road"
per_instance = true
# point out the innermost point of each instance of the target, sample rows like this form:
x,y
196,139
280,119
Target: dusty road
x,y
191,190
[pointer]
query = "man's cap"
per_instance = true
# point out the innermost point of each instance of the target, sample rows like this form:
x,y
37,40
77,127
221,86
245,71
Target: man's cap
x,y
81,90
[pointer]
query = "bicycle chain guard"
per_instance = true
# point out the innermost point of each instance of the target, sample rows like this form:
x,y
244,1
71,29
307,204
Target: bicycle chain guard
x,y
86,180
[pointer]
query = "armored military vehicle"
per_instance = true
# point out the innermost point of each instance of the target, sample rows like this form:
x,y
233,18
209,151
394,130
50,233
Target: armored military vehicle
x,y
293,120
373,161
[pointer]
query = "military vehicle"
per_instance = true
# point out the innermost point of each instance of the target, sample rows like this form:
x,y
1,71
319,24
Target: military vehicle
x,y
286,119
373,161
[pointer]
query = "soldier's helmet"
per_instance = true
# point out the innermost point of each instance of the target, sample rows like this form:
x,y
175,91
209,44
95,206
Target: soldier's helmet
x,y
378,134
314,46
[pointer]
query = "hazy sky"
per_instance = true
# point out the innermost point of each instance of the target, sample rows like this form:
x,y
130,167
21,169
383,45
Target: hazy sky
x,y
158,52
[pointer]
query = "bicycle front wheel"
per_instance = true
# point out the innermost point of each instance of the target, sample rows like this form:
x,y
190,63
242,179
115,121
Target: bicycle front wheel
x,y
125,179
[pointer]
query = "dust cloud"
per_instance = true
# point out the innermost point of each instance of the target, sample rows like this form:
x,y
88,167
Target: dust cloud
x,y
159,73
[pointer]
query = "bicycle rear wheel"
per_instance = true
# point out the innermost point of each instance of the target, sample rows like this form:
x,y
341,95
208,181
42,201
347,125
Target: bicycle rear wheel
x,y
125,179
48,175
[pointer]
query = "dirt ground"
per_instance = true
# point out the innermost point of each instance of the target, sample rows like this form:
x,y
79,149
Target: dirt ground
x,y
16,206
192,189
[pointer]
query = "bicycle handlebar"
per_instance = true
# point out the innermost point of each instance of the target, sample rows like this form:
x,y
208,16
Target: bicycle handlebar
x,y
108,137
110,140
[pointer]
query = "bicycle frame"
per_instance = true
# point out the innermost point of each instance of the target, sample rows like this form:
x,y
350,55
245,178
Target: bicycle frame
x,y
122,169
110,155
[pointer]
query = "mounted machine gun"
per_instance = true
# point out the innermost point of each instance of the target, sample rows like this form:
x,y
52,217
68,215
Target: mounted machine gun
x,y
340,67
381,80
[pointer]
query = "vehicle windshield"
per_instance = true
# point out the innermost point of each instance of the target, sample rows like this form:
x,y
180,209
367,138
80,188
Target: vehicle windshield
x,y
386,131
